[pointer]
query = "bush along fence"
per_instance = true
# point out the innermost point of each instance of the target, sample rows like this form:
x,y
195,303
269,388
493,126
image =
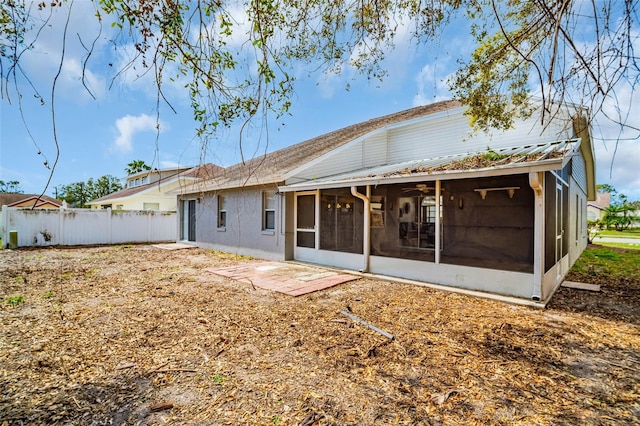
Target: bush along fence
x,y
68,227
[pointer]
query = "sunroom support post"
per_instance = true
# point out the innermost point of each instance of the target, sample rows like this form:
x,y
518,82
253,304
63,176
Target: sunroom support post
x,y
438,222
536,181
366,237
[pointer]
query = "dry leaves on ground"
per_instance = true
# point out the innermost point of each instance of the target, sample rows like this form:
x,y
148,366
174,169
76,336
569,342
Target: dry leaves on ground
x,y
139,335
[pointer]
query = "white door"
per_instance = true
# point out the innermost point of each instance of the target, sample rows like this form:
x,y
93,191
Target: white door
x,y
306,242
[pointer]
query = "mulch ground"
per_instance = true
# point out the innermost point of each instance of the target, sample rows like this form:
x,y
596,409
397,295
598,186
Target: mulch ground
x,y
139,335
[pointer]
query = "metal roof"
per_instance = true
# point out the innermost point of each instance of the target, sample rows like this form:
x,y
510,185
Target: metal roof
x,y
546,156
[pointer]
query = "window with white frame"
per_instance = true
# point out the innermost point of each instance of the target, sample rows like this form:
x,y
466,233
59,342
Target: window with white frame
x,y
222,211
268,211
150,206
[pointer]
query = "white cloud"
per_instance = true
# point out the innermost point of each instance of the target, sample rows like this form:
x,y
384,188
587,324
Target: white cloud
x,y
432,86
128,126
84,35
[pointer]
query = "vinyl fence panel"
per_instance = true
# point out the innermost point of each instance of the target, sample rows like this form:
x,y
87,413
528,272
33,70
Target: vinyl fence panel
x,y
69,227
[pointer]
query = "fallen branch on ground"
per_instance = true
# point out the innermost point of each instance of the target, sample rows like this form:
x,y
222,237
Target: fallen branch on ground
x,y
373,327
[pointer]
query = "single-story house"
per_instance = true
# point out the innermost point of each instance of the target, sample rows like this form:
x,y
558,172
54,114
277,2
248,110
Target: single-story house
x,y
29,201
152,189
596,209
414,195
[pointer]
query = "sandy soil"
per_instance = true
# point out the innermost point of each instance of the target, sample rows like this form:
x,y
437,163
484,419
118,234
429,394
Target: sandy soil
x,y
140,335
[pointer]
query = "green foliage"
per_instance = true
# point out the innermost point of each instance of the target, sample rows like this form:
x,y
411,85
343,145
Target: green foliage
x,y
77,194
136,166
10,187
491,155
619,216
629,246
237,69
15,300
621,213
218,379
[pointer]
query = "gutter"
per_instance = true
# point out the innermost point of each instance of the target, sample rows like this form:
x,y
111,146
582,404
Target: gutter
x,y
366,237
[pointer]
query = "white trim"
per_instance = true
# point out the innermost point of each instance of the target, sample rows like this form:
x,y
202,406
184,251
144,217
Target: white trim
x,y
545,165
154,186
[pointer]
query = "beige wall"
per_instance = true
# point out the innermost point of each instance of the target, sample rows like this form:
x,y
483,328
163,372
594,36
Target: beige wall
x,y
154,195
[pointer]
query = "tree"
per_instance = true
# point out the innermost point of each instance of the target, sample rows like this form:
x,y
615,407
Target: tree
x,y
77,194
620,214
136,166
10,187
237,65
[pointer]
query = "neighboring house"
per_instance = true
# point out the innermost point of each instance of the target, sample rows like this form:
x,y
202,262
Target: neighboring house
x,y
413,195
596,208
28,201
152,190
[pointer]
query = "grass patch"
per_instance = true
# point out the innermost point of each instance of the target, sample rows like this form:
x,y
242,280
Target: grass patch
x,y
629,246
629,233
608,262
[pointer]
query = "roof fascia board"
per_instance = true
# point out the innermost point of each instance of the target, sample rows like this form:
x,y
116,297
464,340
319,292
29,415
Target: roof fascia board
x,y
152,186
542,166
201,189
392,126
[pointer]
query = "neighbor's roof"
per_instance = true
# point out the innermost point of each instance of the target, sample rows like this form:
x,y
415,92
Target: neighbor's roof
x,y
602,201
272,168
12,199
547,156
205,171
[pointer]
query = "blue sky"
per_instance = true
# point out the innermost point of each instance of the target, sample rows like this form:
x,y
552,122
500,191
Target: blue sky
x,y
100,136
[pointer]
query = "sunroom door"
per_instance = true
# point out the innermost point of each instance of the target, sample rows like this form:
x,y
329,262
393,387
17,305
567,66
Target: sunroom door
x,y
306,226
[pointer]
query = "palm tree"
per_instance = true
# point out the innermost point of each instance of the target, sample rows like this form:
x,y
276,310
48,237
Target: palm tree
x,y
136,166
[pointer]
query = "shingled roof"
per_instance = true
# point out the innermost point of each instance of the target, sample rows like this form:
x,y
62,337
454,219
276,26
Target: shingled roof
x,y
11,199
205,171
272,167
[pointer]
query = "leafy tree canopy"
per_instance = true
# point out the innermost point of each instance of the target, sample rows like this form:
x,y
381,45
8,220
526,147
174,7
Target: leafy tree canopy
x,y
136,166
620,214
77,194
237,59
10,187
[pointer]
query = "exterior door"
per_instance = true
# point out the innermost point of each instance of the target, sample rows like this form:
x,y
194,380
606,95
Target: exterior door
x,y
306,229
189,220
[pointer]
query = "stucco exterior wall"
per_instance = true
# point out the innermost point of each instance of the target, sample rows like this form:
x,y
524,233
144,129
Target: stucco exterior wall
x,y
243,233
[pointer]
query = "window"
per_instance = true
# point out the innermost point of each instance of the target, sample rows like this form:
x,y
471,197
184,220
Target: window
x,y
144,180
137,181
269,211
131,184
151,206
222,211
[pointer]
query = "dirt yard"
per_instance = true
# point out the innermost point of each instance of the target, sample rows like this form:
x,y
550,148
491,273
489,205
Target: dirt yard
x,y
139,335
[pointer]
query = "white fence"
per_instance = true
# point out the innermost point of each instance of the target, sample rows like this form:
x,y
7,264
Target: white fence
x,y
68,227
